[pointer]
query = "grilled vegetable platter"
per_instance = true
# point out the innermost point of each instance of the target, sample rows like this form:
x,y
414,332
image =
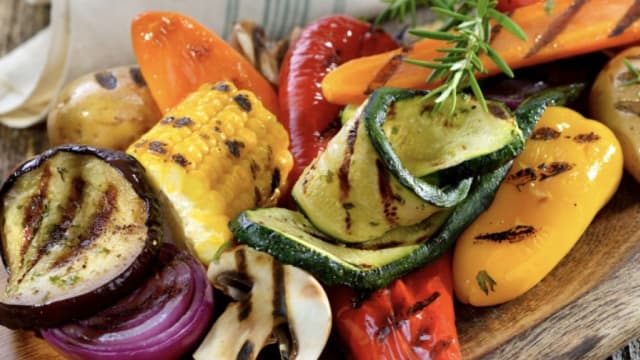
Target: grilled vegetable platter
x,y
337,194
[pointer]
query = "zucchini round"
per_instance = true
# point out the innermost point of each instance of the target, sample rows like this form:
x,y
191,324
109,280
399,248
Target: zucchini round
x,y
79,228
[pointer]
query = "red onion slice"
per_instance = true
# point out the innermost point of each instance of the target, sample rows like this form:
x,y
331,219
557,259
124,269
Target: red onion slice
x,y
163,319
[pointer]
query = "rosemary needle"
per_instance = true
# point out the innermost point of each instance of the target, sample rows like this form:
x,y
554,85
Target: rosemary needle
x,y
468,30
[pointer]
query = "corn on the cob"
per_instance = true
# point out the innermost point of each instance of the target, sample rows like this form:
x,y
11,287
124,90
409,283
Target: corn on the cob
x,y
215,154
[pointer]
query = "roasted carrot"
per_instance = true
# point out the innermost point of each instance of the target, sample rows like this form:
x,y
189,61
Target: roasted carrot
x,y
177,54
572,28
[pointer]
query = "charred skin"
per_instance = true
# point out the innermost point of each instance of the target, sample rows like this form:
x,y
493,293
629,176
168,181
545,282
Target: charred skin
x,y
70,241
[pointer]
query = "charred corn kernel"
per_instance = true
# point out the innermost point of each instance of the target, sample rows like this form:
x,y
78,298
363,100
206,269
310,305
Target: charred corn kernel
x,y
569,169
215,154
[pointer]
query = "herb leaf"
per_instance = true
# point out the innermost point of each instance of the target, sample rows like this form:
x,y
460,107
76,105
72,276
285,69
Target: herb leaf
x,y
468,31
633,71
485,282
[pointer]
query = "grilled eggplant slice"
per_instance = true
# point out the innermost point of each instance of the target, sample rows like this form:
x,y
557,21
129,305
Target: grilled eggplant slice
x,y
79,228
272,303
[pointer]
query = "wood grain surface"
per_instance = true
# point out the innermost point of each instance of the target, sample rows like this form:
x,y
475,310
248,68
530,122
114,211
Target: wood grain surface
x,y
588,307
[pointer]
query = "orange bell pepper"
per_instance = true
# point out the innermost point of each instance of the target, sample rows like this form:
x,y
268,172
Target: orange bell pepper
x,y
574,27
177,54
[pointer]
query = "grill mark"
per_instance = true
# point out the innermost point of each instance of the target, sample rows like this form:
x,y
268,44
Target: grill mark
x,y
70,210
553,169
98,224
343,171
397,319
420,305
386,193
246,351
513,235
628,106
33,216
556,27
279,292
545,133
522,177
241,266
586,138
629,17
386,72
35,211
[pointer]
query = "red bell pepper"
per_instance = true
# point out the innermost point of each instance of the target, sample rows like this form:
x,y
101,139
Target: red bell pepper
x,y
412,318
320,47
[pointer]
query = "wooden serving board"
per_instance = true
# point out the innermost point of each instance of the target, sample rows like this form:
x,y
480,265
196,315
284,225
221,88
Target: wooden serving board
x,y
588,307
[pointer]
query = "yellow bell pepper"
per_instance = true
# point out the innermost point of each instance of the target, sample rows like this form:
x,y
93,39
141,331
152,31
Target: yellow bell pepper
x,y
569,169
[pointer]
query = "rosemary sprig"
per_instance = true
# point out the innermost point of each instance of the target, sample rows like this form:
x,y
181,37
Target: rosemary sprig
x,y
468,29
633,71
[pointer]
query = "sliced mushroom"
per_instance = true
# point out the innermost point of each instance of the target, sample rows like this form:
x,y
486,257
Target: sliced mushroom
x,y
272,303
265,54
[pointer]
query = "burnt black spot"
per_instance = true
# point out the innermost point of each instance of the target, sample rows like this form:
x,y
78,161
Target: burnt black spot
x,y
515,234
234,147
167,120
246,351
243,101
275,180
553,169
221,86
158,147
180,160
137,77
522,177
245,309
586,138
348,206
106,79
183,121
545,133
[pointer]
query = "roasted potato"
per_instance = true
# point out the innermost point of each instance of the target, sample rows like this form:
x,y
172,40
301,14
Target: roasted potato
x,y
107,109
615,101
